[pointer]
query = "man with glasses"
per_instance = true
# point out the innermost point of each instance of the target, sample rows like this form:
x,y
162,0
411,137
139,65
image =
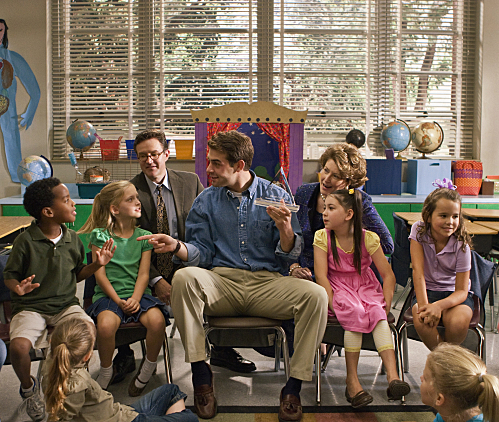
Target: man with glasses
x,y
168,194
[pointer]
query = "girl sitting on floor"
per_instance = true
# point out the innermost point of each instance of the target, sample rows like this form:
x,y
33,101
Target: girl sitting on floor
x,y
343,252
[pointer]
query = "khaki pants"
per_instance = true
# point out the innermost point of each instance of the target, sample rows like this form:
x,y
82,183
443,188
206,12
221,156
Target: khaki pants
x,y
232,292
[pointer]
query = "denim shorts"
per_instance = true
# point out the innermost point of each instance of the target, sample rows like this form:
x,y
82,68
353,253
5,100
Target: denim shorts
x,y
434,296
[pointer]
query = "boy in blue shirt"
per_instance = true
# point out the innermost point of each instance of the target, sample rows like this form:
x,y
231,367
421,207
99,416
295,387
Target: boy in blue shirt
x,y
52,255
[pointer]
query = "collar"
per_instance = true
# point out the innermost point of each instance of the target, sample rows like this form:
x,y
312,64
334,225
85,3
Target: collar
x,y
449,248
37,234
251,190
153,186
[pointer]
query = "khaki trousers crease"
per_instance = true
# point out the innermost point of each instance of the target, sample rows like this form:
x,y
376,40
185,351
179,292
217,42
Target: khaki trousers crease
x,y
232,292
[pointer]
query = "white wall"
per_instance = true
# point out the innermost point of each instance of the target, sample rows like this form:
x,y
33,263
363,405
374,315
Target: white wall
x,y
27,21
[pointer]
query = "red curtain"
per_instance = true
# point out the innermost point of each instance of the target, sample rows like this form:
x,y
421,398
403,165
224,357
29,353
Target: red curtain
x,y
279,132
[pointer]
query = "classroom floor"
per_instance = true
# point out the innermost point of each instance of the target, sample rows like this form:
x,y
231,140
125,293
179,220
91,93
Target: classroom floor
x,y
260,388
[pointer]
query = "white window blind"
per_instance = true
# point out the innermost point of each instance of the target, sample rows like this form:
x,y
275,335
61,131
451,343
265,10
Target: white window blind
x,y
127,65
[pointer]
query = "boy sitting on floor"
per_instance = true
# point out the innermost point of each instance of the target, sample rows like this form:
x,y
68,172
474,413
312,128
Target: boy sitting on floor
x,y
51,255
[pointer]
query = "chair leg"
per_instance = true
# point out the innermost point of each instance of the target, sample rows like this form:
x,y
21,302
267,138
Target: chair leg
x,y
403,347
174,329
285,350
407,287
480,332
168,365
318,373
329,352
492,307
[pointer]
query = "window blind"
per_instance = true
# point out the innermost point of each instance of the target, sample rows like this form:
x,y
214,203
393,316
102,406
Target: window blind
x,y
127,65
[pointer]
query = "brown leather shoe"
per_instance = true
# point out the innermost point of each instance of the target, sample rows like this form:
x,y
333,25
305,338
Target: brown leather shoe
x,y
290,408
205,401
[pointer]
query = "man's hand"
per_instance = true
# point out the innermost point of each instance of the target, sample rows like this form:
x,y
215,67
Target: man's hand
x,y
163,289
161,243
281,216
25,286
103,256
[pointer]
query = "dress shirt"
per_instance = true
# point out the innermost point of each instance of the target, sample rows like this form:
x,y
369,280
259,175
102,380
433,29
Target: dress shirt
x,y
236,232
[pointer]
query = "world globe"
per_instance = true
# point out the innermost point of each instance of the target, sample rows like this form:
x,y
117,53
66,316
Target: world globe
x,y
81,135
427,137
396,135
34,168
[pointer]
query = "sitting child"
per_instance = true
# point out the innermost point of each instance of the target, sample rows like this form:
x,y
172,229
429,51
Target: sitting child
x,y
54,255
72,394
456,384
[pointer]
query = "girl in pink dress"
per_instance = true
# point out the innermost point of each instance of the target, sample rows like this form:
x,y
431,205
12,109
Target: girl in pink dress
x,y
343,252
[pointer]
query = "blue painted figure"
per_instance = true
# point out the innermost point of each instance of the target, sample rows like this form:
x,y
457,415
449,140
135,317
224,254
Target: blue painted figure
x,y
13,64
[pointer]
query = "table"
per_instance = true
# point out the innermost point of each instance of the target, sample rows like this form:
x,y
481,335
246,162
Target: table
x,y
482,235
9,226
480,214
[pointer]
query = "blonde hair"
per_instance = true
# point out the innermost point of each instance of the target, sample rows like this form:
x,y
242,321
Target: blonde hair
x,y
101,216
429,206
70,342
351,165
461,376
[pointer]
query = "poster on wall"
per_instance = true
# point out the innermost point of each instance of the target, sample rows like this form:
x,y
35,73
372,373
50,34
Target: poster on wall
x,y
13,65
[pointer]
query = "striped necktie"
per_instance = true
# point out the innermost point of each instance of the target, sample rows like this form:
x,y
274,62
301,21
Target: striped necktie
x,y
164,261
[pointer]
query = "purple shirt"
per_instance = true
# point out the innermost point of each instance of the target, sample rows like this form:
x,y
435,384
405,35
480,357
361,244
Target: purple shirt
x,y
440,269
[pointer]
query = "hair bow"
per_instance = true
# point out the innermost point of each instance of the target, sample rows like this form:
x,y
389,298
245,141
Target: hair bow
x,y
350,191
446,183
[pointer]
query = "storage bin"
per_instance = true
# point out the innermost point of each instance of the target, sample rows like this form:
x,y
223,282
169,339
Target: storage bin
x,y
110,149
385,177
130,152
468,177
183,149
422,173
89,190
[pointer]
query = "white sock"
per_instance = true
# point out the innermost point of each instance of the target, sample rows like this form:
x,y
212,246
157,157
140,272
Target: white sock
x,y
105,375
28,392
145,373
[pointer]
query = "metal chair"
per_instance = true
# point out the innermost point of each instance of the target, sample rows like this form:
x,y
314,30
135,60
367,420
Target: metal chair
x,y
334,335
242,323
481,274
131,332
401,257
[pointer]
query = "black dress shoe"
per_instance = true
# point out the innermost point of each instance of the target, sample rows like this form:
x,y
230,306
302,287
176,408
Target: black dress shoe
x,y
230,359
123,364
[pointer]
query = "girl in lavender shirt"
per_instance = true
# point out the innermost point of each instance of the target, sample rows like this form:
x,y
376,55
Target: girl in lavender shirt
x,y
441,263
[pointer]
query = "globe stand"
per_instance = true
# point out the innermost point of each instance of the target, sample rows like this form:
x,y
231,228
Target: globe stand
x,y
424,157
400,156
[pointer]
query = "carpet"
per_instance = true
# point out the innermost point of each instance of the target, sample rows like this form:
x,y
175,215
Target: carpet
x,y
409,413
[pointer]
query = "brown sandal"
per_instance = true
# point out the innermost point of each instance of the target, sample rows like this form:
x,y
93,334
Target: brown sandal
x,y
397,389
361,399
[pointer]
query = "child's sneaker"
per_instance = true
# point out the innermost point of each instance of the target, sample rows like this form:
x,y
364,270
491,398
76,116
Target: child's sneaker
x,y
33,405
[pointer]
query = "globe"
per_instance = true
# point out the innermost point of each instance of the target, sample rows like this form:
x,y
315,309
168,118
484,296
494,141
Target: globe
x,y
34,168
396,135
427,137
81,135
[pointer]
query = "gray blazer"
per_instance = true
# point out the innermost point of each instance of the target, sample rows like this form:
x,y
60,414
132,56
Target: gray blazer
x,y
185,187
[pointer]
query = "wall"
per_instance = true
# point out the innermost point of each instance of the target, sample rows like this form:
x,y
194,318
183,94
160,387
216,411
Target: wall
x,y
28,35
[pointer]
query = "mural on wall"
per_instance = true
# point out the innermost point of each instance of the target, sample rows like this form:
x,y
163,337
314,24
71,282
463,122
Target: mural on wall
x,y
13,64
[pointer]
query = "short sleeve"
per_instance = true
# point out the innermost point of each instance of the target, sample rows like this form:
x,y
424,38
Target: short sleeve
x,y
463,259
414,231
372,242
144,244
320,239
98,237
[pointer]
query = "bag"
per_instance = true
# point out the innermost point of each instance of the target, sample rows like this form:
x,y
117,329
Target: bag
x,y
468,177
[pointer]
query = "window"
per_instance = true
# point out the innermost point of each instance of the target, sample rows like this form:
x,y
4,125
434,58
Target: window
x,y
125,65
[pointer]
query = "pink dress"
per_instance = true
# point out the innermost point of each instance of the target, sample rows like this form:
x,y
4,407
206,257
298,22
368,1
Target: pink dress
x,y
358,300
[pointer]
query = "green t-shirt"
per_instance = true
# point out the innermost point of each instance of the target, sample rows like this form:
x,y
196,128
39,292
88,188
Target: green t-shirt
x,y
123,269
55,267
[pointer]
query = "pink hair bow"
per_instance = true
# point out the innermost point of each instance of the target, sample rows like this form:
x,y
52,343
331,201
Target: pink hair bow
x,y
446,183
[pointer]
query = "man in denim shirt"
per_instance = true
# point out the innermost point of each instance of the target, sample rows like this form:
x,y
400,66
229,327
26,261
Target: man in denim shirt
x,y
234,254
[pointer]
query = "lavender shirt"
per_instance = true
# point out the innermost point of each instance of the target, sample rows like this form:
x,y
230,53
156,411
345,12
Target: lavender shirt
x,y
440,269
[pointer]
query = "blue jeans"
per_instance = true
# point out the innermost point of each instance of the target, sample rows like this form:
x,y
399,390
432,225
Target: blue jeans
x,y
3,353
153,406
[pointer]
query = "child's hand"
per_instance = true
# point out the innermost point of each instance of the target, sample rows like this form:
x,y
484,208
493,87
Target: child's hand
x,y
131,306
430,314
103,256
26,286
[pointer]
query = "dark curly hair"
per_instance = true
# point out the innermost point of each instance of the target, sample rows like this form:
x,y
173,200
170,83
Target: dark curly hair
x,y
429,206
39,195
150,134
235,145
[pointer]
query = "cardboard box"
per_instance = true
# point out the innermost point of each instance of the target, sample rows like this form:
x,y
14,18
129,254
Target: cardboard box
x,y
422,173
385,177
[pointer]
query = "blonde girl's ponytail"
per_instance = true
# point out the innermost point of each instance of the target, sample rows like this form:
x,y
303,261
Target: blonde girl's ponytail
x,y
70,342
488,400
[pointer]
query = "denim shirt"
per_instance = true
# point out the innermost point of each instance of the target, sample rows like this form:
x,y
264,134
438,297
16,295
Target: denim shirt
x,y
222,231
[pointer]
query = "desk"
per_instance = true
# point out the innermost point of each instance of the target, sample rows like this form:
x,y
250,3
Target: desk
x,y
10,225
482,235
481,214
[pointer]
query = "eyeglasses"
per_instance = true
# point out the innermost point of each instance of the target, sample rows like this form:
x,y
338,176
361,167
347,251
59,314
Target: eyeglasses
x,y
143,156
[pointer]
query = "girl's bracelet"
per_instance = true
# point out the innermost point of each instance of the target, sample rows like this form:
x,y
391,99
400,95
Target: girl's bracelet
x,y
294,268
